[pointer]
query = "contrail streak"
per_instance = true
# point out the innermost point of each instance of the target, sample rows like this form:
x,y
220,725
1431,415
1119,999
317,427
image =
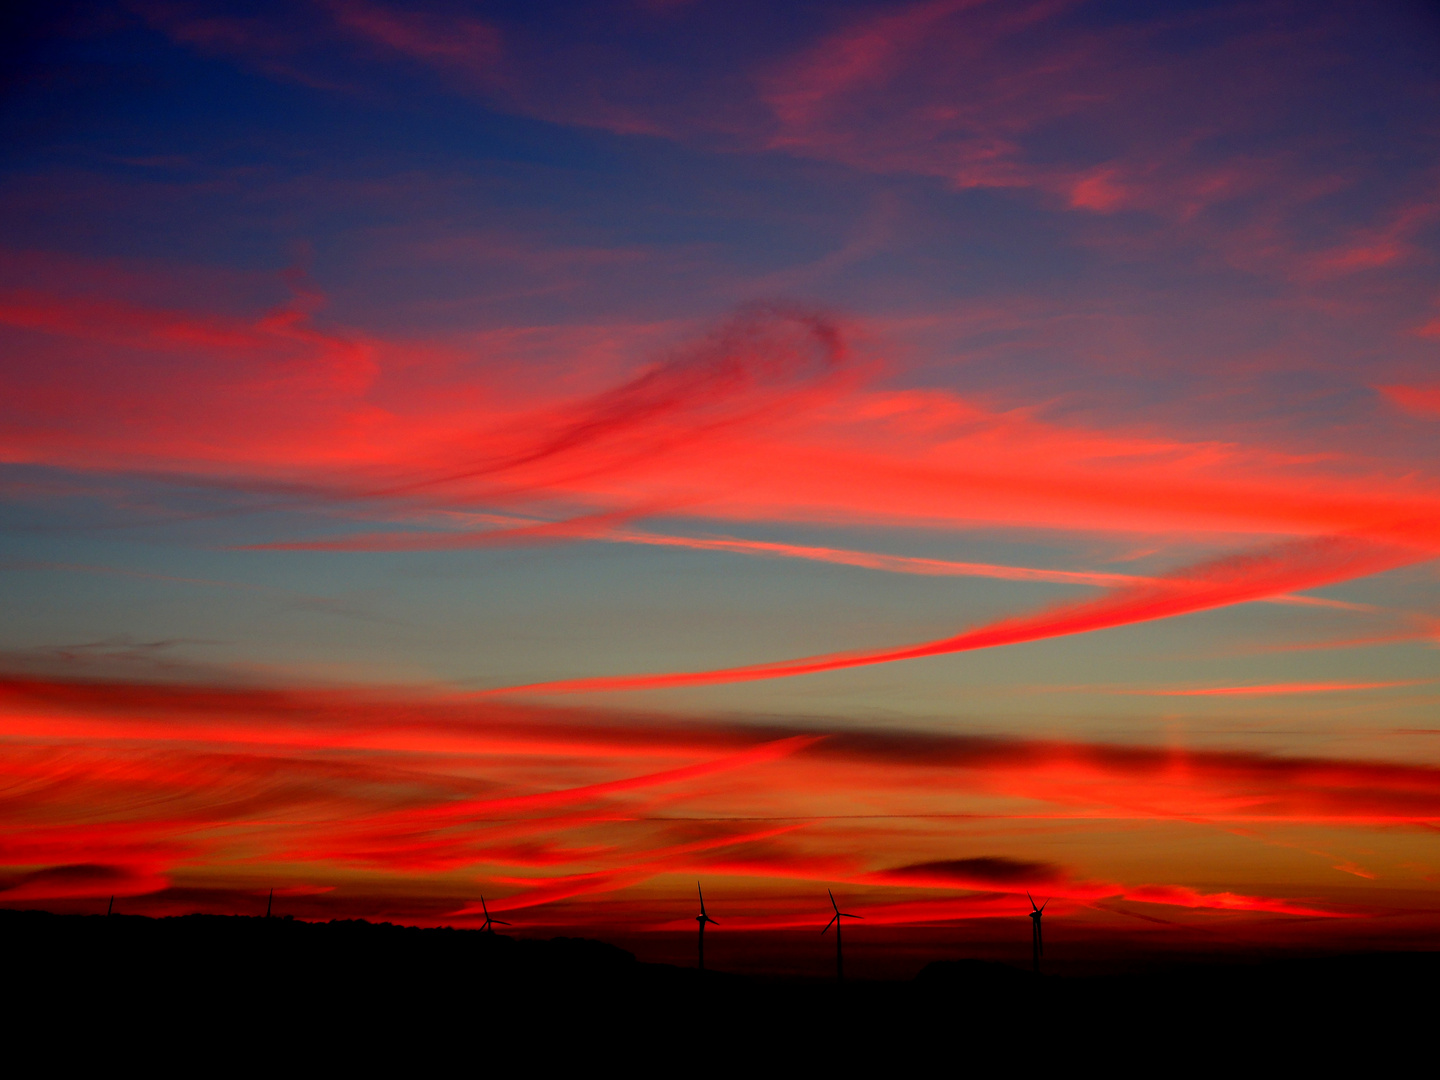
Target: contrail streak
x,y
1221,582
1278,688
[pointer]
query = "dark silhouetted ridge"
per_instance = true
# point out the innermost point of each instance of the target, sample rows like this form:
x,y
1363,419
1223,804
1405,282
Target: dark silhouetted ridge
x,y
211,990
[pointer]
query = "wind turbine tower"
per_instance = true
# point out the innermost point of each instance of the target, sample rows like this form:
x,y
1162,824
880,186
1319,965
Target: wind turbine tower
x,y
835,922
489,922
1037,940
701,920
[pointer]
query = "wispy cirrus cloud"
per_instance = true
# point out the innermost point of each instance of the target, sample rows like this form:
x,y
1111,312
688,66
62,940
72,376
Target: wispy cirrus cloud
x,y
763,417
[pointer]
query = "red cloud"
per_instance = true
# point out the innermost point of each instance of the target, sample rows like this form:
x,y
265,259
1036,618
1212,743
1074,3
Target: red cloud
x,y
771,416
419,797
1421,401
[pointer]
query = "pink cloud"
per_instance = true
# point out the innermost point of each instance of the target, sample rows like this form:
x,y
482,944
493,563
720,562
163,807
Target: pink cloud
x,y
464,44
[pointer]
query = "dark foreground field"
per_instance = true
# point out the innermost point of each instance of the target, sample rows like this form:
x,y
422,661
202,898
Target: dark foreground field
x,y
211,992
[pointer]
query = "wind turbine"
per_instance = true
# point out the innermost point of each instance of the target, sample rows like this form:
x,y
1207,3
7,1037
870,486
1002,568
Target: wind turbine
x,y
110,907
1037,941
701,920
839,956
269,902
488,920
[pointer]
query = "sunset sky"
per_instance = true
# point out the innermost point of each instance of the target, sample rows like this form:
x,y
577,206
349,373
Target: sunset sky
x,y
561,452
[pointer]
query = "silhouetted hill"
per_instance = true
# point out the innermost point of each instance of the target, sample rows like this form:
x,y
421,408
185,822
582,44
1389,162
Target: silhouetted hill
x,y
970,976
221,989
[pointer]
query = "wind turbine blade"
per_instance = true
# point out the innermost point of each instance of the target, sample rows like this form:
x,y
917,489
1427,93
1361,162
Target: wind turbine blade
x,y
832,901
831,923
500,922
1047,900
711,921
484,908
1032,901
